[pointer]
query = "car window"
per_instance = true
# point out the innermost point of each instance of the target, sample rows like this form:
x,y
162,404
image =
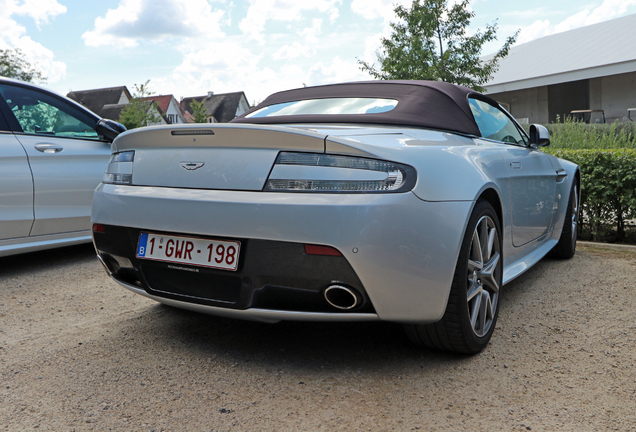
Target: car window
x,y
327,106
494,124
42,114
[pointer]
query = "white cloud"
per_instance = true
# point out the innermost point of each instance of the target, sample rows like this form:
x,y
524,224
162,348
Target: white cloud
x,y
535,31
338,71
43,58
372,9
334,14
136,20
13,35
295,50
606,11
220,67
39,10
261,11
311,33
609,9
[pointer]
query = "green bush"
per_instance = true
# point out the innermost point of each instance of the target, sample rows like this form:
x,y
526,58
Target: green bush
x,y
577,135
608,185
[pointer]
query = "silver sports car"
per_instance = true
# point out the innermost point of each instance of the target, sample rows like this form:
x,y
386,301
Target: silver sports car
x,y
405,201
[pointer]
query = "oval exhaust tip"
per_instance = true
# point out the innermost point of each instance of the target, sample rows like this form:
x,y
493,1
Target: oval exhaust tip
x,y
342,297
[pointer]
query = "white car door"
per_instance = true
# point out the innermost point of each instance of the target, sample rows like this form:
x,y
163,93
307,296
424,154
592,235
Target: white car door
x,y
66,157
16,189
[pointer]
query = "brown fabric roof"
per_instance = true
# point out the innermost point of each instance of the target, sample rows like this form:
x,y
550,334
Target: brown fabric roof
x,y
430,104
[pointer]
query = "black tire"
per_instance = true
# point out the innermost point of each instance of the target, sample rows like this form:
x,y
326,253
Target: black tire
x,y
466,327
566,247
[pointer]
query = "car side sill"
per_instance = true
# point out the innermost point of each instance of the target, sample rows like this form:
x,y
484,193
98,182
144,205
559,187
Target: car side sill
x,y
38,243
524,262
261,315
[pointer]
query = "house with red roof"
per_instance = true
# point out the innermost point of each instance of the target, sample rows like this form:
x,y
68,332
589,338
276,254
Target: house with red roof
x,y
169,109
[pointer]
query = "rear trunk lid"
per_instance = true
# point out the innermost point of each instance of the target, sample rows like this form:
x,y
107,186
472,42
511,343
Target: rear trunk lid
x,y
228,157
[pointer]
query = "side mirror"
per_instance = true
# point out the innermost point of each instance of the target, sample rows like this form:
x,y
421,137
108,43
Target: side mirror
x,y
109,128
539,136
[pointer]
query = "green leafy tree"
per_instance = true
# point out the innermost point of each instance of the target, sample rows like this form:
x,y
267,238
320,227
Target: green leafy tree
x,y
199,112
140,111
13,65
430,41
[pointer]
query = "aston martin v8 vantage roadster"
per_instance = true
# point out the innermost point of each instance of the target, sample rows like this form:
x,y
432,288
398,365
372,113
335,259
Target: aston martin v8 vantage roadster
x,y
406,201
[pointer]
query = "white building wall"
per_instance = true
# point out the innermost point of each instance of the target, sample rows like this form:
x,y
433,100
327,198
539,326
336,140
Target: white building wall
x,y
123,99
530,104
617,94
175,112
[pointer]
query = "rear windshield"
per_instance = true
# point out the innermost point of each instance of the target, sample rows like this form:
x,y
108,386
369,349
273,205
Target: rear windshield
x,y
327,106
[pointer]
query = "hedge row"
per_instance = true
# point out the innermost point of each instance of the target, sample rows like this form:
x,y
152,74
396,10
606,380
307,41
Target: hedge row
x,y
608,187
576,135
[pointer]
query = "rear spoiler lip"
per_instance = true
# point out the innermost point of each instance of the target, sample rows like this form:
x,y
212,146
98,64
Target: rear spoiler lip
x,y
220,135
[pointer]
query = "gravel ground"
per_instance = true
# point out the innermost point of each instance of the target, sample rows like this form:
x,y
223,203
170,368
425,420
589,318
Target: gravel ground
x,y
77,352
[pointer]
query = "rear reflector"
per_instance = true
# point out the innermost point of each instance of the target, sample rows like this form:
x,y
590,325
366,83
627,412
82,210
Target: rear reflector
x,y
98,228
321,250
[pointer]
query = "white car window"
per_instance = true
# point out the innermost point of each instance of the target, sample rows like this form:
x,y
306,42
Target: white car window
x,y
494,124
331,106
42,114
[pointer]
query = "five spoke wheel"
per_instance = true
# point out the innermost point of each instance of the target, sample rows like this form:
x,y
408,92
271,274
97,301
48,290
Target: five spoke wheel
x,y
483,276
473,303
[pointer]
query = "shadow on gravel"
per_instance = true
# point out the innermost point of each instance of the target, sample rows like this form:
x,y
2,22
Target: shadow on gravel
x,y
293,346
44,260
301,346
308,345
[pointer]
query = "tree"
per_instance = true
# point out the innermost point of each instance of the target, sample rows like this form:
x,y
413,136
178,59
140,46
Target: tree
x,y
199,111
430,42
140,111
14,65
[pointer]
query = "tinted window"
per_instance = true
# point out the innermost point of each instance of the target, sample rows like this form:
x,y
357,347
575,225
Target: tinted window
x,y
494,124
40,113
327,106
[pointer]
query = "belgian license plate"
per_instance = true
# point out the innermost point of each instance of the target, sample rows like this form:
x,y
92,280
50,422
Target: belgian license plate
x,y
189,250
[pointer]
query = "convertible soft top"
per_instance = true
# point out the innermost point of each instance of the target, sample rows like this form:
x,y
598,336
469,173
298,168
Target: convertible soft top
x,y
429,104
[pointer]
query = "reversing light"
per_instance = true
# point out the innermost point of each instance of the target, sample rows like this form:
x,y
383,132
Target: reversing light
x,y
308,172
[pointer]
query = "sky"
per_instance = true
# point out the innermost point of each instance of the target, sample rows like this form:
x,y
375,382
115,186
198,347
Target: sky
x,y
191,47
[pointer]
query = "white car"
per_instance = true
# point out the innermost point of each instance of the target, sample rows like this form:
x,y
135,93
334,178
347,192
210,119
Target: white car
x,y
404,201
53,153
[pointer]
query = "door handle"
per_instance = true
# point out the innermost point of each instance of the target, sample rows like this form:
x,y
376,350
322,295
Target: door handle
x,y
561,175
515,165
48,148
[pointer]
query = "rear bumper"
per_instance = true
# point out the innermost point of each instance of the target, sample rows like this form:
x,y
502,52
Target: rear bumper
x,y
402,250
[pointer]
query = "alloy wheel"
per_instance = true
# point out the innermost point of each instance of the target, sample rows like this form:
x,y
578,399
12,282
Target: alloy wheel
x,y
484,271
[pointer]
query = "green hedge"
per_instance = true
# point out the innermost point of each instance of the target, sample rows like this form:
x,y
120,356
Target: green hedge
x,y
577,135
608,186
